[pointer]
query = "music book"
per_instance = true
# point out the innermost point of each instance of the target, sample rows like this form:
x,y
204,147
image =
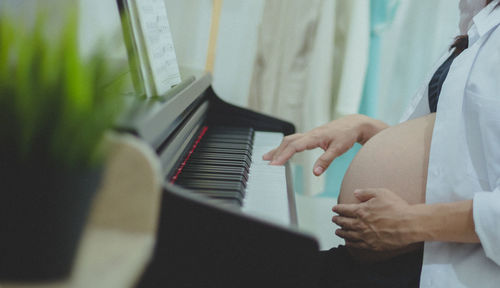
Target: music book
x,y
153,46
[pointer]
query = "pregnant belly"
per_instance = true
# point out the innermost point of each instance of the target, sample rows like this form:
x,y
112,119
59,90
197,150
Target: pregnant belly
x,y
396,159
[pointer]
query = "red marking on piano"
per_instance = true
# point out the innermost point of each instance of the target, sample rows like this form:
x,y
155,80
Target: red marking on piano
x,y
179,170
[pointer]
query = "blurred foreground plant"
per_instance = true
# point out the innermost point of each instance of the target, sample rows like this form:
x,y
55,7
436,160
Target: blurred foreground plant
x,y
54,106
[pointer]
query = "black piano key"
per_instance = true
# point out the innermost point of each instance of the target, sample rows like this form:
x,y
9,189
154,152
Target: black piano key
x,y
225,151
229,157
224,163
222,156
219,166
229,170
228,140
225,145
216,185
213,176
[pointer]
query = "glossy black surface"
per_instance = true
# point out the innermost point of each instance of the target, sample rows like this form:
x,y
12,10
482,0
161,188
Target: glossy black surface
x,y
222,172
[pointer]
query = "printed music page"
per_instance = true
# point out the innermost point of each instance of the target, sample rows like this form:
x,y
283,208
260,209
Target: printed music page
x,y
158,54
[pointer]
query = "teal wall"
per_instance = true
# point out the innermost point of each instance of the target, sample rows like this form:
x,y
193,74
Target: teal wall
x,y
381,14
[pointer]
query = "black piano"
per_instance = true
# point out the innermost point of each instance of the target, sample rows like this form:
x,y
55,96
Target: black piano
x,y
228,219
209,235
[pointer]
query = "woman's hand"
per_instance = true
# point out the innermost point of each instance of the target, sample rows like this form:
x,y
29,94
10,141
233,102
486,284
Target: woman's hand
x,y
335,138
382,221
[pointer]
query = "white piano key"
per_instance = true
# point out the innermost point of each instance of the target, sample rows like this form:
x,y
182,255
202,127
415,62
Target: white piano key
x,y
266,194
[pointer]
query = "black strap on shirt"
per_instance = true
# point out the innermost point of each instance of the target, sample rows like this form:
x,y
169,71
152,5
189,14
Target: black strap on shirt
x,y
437,82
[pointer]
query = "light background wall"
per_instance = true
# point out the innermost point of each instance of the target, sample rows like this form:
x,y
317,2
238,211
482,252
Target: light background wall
x,y
190,26
236,45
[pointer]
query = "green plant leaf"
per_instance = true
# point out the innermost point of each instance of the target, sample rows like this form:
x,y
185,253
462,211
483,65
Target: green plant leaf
x,y
55,106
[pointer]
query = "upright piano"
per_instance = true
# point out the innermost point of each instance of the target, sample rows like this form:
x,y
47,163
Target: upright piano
x,y
228,218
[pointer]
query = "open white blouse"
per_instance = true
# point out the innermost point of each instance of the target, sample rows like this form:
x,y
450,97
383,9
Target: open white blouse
x,y
464,158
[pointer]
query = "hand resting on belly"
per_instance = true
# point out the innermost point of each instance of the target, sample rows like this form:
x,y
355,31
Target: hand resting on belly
x,y
396,159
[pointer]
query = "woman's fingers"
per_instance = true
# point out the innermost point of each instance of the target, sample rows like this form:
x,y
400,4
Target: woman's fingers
x,y
348,235
288,147
357,244
347,210
335,138
325,160
271,155
346,223
297,145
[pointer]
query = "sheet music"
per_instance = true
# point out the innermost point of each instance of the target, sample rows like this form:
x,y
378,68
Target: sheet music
x,y
158,50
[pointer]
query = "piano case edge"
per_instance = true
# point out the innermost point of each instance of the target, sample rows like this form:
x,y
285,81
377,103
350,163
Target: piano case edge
x,y
220,110
142,118
201,244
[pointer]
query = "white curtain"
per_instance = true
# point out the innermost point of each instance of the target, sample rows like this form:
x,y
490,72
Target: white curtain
x,y
310,64
422,30
236,49
352,41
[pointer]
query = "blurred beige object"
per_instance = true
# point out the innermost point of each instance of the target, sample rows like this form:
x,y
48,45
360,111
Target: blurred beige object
x,y
119,238
129,196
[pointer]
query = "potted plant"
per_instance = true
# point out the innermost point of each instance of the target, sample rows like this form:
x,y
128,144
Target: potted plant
x,y
55,108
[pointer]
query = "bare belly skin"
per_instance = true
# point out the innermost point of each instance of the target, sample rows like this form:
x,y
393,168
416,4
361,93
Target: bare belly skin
x,y
396,159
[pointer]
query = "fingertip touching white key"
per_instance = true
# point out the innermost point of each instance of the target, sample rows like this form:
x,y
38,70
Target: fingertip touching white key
x,y
266,193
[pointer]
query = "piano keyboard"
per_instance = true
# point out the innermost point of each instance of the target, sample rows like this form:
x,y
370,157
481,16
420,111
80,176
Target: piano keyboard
x,y
267,195
225,163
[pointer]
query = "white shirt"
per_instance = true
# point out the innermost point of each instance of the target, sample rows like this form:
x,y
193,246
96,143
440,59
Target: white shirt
x,y
464,160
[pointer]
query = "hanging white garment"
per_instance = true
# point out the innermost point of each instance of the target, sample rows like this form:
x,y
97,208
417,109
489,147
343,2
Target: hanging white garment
x,y
351,51
236,49
409,49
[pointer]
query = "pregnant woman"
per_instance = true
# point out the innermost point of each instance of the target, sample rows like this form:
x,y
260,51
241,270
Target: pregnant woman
x,y
420,202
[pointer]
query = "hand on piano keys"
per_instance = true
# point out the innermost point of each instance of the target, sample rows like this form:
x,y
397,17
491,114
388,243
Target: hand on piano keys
x,y
335,138
226,164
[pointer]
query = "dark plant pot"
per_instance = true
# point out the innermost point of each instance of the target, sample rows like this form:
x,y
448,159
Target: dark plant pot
x,y
42,215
